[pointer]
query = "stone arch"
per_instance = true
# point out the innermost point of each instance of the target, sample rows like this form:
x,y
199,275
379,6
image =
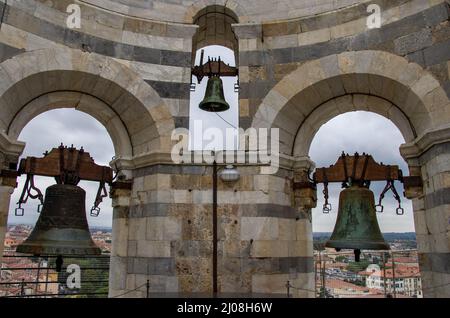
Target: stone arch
x,y
137,119
401,91
79,101
232,5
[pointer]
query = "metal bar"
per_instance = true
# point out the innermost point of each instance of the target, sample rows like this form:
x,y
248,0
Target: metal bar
x,y
38,268
37,276
65,256
46,295
46,279
393,274
384,275
215,289
50,282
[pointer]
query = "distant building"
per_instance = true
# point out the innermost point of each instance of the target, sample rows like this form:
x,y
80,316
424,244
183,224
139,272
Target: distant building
x,y
405,280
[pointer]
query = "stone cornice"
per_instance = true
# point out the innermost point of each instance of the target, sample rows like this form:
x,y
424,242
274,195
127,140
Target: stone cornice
x,y
156,158
10,147
421,144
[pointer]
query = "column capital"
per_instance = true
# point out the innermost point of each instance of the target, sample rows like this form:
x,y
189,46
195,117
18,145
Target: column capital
x,y
247,30
8,178
412,150
120,193
10,150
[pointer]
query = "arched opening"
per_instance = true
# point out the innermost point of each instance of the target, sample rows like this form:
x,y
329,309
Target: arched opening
x,y
374,81
214,39
367,132
66,126
137,120
42,133
378,273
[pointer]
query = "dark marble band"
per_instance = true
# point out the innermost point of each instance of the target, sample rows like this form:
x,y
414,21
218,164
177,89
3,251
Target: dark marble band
x,y
245,210
167,265
438,198
77,40
371,39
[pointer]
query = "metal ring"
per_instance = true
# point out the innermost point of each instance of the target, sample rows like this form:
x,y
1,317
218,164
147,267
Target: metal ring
x,y
400,211
379,210
22,212
326,208
95,211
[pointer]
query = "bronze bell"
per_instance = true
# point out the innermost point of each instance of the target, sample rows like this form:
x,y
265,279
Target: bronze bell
x,y
214,100
62,227
356,225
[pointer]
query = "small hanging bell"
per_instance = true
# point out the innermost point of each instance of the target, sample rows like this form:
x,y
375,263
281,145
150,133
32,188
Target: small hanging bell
x,y
214,100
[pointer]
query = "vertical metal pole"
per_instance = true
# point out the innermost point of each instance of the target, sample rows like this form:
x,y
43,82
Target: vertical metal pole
x,y
46,279
315,276
393,273
148,288
322,269
22,287
384,274
288,286
37,276
215,289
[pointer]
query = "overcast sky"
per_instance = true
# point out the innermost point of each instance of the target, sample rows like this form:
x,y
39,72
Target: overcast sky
x,y
356,131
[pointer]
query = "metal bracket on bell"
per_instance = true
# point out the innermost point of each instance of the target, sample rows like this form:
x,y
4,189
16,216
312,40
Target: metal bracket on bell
x,y
95,211
379,208
326,208
400,211
237,87
19,211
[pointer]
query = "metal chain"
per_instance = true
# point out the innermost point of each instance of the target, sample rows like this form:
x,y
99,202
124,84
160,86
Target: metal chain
x,y
390,186
101,193
27,193
326,206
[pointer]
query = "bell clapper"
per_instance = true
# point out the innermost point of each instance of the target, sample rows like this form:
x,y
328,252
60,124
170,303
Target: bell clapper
x,y
357,255
59,263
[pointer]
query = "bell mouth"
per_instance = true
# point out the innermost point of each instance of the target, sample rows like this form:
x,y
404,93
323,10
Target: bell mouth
x,y
62,227
214,107
358,245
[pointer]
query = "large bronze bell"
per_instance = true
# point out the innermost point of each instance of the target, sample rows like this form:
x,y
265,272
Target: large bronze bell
x,y
214,100
356,225
62,227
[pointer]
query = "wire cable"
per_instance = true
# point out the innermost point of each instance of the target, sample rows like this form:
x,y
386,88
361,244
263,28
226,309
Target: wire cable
x,y
130,291
226,121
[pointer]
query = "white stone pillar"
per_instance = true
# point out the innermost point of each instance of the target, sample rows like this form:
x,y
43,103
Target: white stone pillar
x,y
430,155
120,194
5,196
305,199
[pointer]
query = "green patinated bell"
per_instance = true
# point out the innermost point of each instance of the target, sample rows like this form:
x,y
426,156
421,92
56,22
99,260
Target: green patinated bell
x,y
214,100
62,227
356,225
